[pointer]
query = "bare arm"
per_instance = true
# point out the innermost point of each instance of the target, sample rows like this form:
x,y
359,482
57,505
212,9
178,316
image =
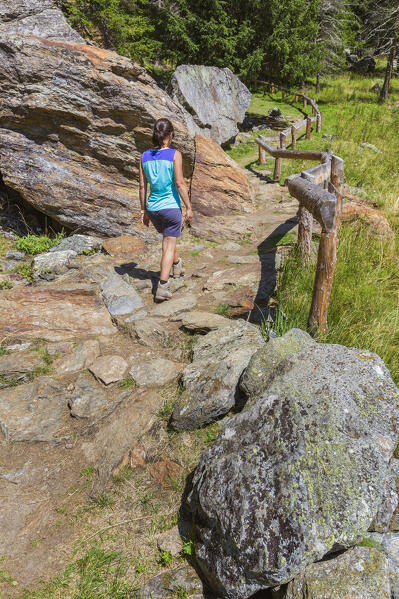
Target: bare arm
x,y
143,195
181,185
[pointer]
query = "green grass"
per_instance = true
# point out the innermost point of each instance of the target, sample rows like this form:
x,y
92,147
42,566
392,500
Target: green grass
x,y
26,270
127,383
37,244
6,285
5,245
364,305
368,542
223,310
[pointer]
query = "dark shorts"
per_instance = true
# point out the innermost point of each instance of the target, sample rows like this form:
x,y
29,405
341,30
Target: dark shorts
x,y
168,221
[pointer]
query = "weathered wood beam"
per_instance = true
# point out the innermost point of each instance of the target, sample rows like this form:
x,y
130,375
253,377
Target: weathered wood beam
x,y
292,154
327,258
320,203
337,178
308,127
318,174
305,227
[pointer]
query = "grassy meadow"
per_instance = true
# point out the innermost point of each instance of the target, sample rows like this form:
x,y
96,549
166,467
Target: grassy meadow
x,y
364,309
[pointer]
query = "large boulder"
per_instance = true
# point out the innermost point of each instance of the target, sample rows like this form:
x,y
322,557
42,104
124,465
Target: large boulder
x,y
218,188
214,100
364,65
211,379
74,119
301,471
36,17
361,573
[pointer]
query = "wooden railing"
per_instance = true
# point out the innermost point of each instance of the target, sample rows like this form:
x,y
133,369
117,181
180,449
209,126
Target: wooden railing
x,y
319,192
281,138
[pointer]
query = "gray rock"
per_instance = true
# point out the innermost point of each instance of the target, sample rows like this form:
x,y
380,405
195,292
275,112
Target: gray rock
x,y
89,399
394,523
250,259
15,255
211,379
384,519
203,322
34,412
18,367
120,297
175,306
169,583
328,136
137,316
109,369
170,541
82,356
78,244
36,17
390,545
214,100
54,262
301,471
156,372
371,147
376,88
361,573
275,113
230,246
149,331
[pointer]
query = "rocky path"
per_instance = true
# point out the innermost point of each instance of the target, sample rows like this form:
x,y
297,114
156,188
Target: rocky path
x,y
87,360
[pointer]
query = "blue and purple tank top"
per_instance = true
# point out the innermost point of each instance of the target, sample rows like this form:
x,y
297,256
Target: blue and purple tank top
x,y
159,171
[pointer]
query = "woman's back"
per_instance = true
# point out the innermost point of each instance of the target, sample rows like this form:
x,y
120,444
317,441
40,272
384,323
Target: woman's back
x,y
159,171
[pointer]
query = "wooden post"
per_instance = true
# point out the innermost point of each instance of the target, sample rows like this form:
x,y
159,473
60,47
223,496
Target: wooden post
x,y
326,261
296,99
279,161
318,122
305,227
305,102
337,179
293,135
272,89
308,127
282,94
262,156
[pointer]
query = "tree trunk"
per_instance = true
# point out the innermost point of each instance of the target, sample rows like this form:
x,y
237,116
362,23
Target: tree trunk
x,y
388,74
318,83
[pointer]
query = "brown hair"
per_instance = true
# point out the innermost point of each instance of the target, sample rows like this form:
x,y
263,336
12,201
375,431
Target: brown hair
x,y
162,129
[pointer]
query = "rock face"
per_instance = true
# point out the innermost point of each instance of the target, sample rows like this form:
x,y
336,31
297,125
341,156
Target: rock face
x,y
214,100
359,211
364,65
300,471
361,572
218,185
36,17
211,379
74,121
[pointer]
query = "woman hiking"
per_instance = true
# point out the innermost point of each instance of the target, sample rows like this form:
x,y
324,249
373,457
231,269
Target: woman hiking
x,y
162,168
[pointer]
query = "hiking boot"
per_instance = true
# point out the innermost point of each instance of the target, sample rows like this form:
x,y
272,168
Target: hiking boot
x,y
163,292
178,269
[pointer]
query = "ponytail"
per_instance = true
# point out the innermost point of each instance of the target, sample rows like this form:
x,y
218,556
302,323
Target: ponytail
x,y
163,128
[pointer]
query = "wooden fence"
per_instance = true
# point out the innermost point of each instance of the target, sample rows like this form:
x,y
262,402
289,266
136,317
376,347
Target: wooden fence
x,y
281,138
319,192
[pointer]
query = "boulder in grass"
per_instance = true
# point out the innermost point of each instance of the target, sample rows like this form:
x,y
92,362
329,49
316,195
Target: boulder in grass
x,y
301,471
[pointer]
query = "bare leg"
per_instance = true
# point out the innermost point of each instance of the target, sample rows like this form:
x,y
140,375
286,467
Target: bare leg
x,y
169,254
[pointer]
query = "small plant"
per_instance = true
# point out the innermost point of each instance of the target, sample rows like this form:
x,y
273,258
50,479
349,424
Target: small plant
x,y
37,244
4,351
7,382
165,558
87,473
188,547
166,410
125,473
127,383
103,501
6,285
396,452
179,592
25,270
89,252
223,310
369,542
211,436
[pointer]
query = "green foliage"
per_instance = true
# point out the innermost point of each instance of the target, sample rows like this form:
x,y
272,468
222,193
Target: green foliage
x,y
4,351
7,381
103,501
166,558
6,285
369,542
188,547
127,383
37,244
223,310
26,270
165,412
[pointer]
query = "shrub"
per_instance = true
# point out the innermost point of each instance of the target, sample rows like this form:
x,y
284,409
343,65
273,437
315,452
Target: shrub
x,y
37,244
